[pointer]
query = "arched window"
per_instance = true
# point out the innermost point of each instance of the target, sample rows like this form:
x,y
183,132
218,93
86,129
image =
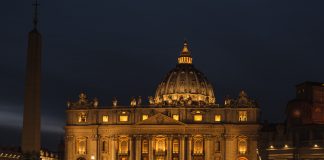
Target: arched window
x,y
242,145
104,146
124,146
81,146
175,146
160,144
243,116
198,145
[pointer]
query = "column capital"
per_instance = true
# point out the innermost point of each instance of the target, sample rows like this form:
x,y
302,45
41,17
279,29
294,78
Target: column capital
x,y
229,136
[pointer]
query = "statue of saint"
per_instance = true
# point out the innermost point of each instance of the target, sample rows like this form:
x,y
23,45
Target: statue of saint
x,y
151,100
114,102
95,102
133,102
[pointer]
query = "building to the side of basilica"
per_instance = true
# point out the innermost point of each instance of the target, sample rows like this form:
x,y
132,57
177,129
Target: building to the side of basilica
x,y
301,137
181,122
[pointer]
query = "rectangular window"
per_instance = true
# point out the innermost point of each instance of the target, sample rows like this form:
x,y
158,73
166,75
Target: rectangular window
x,y
242,116
198,117
218,118
105,118
123,118
144,117
175,117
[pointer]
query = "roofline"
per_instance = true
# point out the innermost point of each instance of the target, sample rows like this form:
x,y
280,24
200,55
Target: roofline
x,y
311,83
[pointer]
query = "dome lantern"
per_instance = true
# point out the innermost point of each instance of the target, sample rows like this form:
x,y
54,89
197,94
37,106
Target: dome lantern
x,y
185,56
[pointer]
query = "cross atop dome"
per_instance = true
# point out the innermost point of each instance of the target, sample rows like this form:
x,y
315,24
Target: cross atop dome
x,y
185,56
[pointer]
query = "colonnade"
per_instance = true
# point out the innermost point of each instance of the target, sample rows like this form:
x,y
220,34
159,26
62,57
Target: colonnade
x,y
185,148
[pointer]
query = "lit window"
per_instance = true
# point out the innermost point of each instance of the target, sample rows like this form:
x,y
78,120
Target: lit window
x,y
242,116
218,118
198,146
123,118
175,117
82,117
198,117
160,144
242,145
81,146
123,146
144,117
105,118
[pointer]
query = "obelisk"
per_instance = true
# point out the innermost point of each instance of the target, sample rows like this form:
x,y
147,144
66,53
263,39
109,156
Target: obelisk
x,y
31,134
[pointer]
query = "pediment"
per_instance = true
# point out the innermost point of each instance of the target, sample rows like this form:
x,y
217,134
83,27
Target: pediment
x,y
160,119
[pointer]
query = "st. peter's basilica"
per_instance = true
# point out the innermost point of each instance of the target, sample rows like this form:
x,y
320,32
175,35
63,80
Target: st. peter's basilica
x,y
183,121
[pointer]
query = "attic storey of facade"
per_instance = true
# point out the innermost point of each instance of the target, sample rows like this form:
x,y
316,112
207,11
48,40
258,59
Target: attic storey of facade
x,y
181,122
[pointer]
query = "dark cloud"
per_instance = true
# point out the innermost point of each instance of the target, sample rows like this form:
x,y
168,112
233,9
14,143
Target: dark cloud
x,y
124,48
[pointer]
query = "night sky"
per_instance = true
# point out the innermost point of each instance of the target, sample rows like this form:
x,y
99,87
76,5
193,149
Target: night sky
x,y
124,48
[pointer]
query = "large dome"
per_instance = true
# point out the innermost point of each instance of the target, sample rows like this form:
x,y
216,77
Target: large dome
x,y
185,84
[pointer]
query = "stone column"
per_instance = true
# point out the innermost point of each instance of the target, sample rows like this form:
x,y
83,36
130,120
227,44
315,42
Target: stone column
x,y
182,148
207,147
151,145
113,148
169,150
230,147
138,148
189,147
131,148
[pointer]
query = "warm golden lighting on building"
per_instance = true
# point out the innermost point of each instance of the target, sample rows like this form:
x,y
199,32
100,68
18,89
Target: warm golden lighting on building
x,y
145,146
144,117
175,117
271,147
316,146
160,143
243,116
104,146
198,146
123,145
218,118
81,146
185,60
82,117
286,146
175,146
242,145
198,117
123,118
105,118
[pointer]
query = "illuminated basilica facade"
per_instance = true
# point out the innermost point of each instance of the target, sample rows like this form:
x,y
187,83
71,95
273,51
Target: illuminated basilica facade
x,y
183,121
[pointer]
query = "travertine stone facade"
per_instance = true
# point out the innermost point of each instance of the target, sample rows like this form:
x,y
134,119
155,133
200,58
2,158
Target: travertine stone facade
x,y
181,124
